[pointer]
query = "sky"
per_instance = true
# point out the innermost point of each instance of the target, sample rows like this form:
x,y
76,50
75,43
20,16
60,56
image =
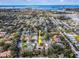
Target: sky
x,y
39,2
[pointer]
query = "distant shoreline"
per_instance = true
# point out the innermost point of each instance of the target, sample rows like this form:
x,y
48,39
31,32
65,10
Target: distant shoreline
x,y
43,7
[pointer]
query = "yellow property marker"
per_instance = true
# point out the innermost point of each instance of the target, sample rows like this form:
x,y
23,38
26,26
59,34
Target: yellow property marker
x,y
39,38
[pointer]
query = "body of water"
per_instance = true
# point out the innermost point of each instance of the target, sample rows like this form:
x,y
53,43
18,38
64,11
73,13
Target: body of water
x,y
45,7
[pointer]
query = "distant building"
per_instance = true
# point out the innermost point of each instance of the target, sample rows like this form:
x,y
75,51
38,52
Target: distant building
x,y
56,38
5,54
2,34
72,9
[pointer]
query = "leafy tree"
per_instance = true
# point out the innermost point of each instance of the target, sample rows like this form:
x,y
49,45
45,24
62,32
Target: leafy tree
x,y
69,54
6,46
2,42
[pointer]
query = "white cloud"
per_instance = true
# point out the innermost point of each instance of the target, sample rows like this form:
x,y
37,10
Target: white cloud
x,y
61,0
